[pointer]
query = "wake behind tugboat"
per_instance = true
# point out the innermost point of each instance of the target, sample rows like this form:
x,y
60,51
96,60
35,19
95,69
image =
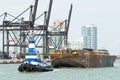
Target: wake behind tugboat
x,y
32,60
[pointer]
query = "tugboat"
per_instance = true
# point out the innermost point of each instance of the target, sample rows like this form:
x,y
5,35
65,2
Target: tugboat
x,y
32,61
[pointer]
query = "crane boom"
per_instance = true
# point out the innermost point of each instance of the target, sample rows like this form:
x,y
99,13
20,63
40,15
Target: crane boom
x,y
34,12
49,12
69,18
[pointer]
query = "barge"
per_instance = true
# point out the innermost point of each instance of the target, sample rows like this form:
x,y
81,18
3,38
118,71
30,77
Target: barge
x,y
86,58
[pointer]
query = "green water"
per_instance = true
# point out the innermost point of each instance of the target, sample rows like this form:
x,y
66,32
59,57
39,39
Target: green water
x,y
10,72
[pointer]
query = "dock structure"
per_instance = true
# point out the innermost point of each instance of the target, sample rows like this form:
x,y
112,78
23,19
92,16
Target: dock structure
x,y
15,31
11,61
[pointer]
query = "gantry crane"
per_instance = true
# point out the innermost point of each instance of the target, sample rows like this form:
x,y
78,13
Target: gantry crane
x,y
41,33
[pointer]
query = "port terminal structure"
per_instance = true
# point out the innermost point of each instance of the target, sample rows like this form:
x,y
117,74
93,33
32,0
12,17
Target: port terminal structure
x,y
42,35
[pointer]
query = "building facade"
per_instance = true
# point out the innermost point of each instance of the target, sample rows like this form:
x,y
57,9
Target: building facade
x,y
76,44
57,41
89,34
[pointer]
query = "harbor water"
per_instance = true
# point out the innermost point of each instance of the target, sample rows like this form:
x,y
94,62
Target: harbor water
x,y
10,72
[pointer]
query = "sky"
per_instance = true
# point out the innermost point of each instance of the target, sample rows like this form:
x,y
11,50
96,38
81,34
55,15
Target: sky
x,y
105,14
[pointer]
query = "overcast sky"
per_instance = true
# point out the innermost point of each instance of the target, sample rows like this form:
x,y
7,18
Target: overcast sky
x,y
105,14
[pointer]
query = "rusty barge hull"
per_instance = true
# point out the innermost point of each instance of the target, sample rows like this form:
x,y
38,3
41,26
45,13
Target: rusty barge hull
x,y
84,60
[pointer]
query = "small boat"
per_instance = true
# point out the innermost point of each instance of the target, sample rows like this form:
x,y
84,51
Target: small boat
x,y
33,61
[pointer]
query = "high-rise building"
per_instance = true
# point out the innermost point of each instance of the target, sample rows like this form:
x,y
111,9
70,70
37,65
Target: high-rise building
x,y
89,34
